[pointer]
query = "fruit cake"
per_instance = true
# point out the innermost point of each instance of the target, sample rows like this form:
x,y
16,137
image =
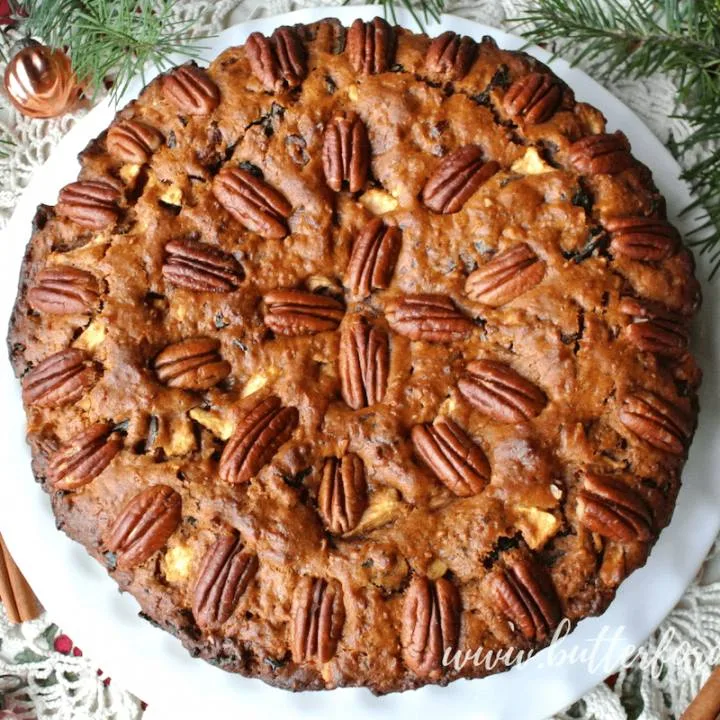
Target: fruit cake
x,y
357,349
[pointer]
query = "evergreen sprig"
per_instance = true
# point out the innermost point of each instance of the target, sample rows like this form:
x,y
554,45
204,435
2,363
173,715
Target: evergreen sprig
x,y
422,11
5,145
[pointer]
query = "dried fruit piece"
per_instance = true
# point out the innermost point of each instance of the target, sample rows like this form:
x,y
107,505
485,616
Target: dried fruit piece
x,y
428,317
193,364
191,90
257,437
456,179
430,624
278,61
90,203
371,46
501,393
294,312
144,525
654,328
534,97
225,573
342,497
611,508
83,458
641,238
656,421
133,141
454,458
373,258
252,202
451,55
346,153
525,594
601,154
61,379
318,617
508,275
64,290
364,363
201,267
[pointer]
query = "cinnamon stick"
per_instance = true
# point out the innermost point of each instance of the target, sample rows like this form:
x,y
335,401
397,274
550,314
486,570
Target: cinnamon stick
x,y
706,705
17,596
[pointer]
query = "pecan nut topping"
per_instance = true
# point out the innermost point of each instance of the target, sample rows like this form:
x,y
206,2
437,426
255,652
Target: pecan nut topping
x,y
428,317
373,258
371,46
501,393
456,179
252,202
278,61
346,153
133,141
144,525
656,421
430,624
525,594
90,203
83,458
364,363
609,507
191,90
225,573
451,55
641,238
318,617
342,497
201,267
193,364
295,312
61,379
257,437
64,290
604,154
534,97
454,458
508,275
655,329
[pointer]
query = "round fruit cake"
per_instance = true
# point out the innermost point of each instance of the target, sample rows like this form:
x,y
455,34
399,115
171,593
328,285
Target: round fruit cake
x,y
358,349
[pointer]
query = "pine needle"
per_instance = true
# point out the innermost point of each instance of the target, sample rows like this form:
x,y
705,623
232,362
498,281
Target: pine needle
x,y
429,9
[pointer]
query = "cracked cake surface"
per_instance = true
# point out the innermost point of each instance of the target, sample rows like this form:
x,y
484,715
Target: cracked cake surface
x,y
358,348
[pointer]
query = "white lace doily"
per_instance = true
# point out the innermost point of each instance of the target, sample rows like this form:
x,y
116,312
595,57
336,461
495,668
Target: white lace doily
x,y
43,676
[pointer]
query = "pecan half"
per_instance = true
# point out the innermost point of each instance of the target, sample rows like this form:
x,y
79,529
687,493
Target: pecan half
x,y
501,393
83,458
279,61
364,361
654,328
430,624
318,617
606,154
609,507
64,290
451,55
641,238
295,312
456,179
201,267
252,202
90,203
193,364
342,497
225,573
656,421
534,97
452,455
373,258
508,275
371,46
144,525
346,153
257,437
61,379
428,317
133,141
191,90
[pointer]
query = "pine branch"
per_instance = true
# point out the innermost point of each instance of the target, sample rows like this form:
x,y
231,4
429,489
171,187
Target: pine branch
x,y
422,12
5,145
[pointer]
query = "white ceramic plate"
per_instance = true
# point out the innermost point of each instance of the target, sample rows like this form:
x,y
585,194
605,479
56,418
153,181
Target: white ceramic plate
x,y
84,600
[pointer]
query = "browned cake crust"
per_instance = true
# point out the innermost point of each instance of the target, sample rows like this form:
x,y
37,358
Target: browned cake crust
x,y
355,348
